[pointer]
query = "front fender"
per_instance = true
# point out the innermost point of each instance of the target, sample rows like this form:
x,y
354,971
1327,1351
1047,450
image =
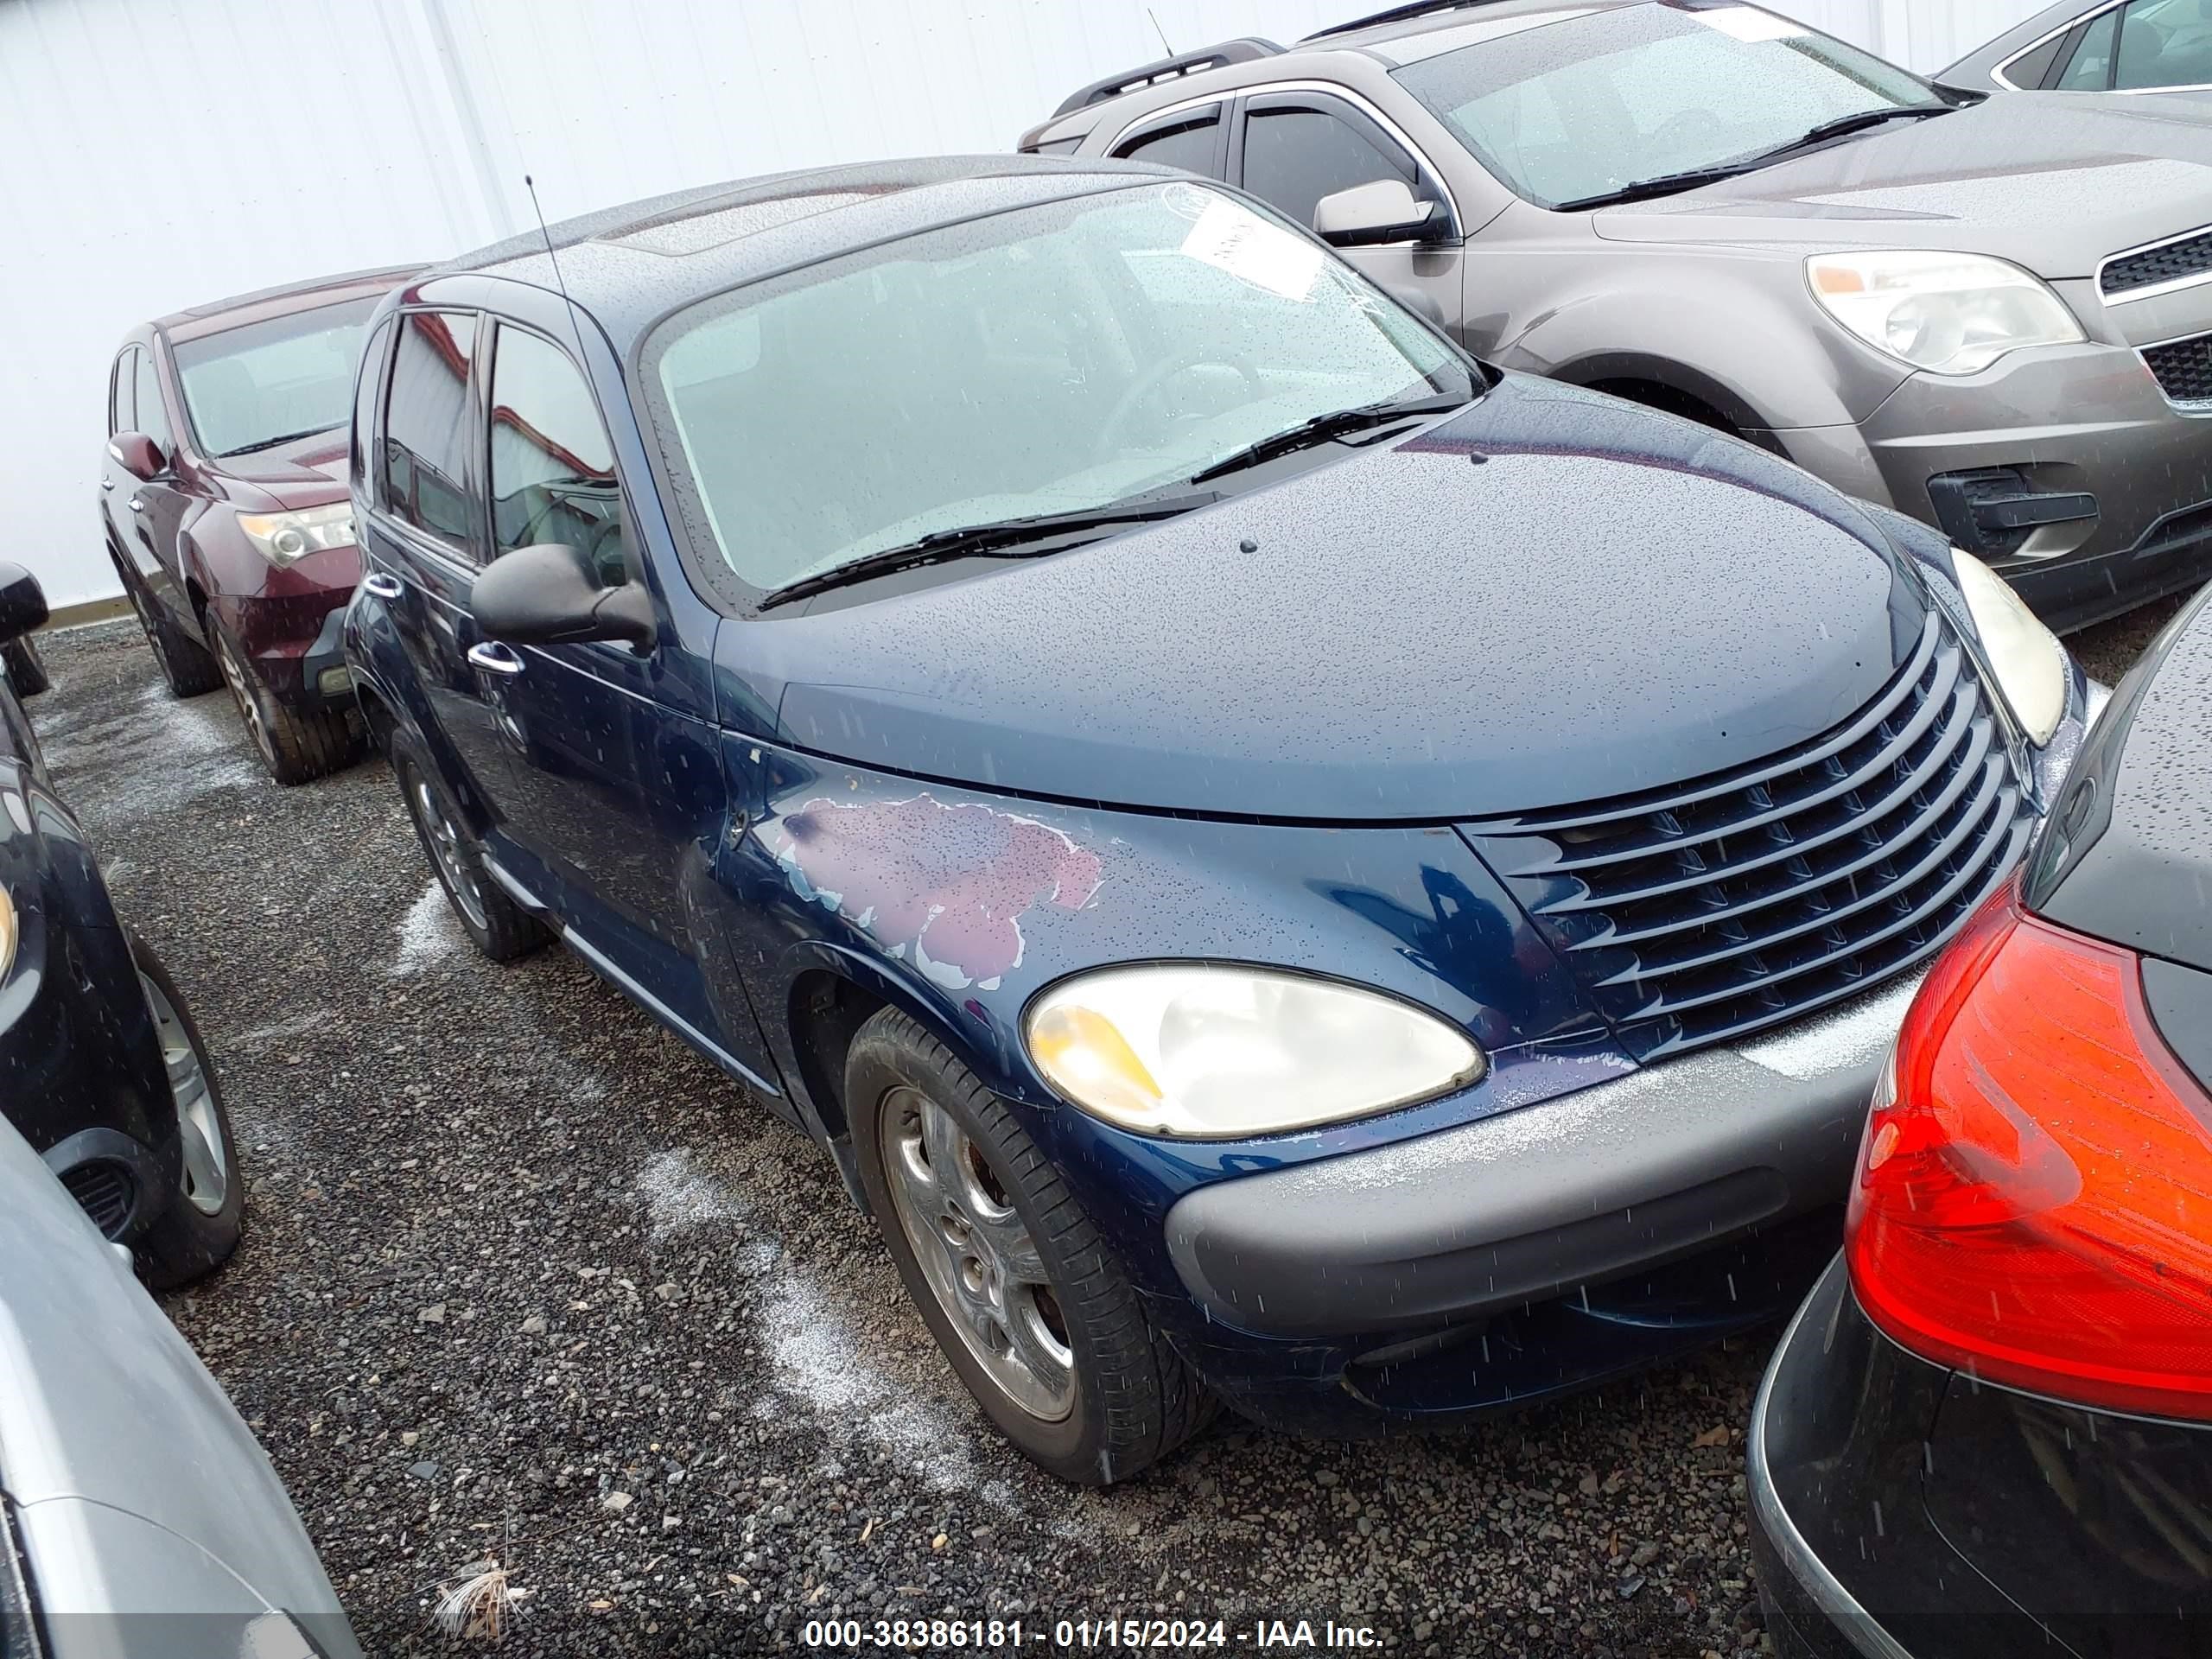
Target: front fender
x,y
960,905
1735,328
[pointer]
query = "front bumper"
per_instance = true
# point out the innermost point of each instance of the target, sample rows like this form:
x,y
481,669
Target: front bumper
x,y
2060,424
1529,1204
293,632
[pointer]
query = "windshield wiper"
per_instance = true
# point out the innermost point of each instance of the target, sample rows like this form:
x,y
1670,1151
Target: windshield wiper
x,y
1005,538
1669,184
271,443
1325,429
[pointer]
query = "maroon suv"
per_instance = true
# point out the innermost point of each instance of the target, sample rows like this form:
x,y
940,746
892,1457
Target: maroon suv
x,y
224,503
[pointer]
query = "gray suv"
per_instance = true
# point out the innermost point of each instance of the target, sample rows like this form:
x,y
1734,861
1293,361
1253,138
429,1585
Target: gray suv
x,y
1993,313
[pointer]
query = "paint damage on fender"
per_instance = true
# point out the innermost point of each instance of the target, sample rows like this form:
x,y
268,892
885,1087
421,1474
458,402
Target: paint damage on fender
x,y
950,880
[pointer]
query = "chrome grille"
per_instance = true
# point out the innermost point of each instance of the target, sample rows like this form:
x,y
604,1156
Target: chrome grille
x,y
1705,913
2170,262
2182,368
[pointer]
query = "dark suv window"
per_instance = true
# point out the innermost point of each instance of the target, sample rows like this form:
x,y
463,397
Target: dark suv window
x,y
1293,157
1192,141
426,424
552,469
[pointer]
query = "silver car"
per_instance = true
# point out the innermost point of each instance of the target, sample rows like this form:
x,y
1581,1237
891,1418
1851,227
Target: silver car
x,y
1993,312
139,1517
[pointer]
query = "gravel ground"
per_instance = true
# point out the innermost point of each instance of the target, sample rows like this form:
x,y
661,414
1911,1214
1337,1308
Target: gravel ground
x,y
524,1280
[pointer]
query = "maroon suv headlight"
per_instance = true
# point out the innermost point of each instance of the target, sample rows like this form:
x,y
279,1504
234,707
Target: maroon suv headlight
x,y
283,538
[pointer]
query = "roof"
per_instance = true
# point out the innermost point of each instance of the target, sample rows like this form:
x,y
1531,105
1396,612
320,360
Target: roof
x,y
629,264
1229,65
219,315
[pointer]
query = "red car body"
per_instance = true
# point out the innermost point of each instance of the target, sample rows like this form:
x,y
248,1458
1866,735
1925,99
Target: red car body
x,y
174,502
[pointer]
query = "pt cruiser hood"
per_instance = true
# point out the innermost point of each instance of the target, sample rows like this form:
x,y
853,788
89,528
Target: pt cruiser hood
x,y
1548,597
2051,180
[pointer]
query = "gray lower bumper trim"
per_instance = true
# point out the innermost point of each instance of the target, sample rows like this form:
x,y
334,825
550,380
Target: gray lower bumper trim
x,y
1533,1202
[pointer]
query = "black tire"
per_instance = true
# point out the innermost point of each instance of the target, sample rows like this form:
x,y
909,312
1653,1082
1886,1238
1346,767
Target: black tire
x,y
501,929
190,1238
1134,1400
294,747
26,669
188,666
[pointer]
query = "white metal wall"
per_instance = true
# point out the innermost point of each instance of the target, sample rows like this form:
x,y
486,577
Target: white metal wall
x,y
155,153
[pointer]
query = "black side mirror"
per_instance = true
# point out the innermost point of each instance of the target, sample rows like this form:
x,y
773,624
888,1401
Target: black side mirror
x,y
549,595
1384,211
22,602
138,455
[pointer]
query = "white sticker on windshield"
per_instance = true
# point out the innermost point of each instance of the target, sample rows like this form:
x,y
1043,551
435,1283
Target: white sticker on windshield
x,y
1235,239
1750,23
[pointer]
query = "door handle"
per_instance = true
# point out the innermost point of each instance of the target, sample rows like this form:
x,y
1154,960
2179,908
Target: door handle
x,y
380,585
138,502
107,483
494,657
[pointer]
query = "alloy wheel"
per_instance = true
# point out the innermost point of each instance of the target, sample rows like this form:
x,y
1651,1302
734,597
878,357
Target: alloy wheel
x,y
242,694
977,1255
445,848
206,1157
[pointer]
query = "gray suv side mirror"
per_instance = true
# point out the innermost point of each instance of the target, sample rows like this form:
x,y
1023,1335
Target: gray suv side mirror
x,y
549,595
22,602
1385,211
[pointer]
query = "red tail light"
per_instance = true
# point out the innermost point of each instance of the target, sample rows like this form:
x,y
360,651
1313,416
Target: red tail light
x,y
2034,1197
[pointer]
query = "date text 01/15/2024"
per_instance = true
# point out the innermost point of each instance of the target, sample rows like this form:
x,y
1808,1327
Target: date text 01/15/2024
x,y
1083,1635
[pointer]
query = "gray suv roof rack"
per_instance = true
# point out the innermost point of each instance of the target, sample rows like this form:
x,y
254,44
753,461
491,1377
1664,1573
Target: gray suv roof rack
x,y
1241,50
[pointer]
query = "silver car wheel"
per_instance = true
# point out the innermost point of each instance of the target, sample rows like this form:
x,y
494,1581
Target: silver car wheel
x,y
978,1255
206,1157
242,694
445,848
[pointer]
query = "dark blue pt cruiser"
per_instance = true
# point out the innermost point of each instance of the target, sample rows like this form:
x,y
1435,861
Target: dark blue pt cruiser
x,y
1286,867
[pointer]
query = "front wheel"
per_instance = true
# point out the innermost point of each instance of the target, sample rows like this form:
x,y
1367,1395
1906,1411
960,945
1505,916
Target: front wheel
x,y
198,1227
1011,1278
294,748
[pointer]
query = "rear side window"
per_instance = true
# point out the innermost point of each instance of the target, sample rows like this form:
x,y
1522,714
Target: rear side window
x,y
365,400
1193,140
153,419
552,469
1294,157
426,424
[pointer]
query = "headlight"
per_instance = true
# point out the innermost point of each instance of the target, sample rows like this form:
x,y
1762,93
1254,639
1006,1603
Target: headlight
x,y
1947,313
2029,662
281,537
1212,1053
8,932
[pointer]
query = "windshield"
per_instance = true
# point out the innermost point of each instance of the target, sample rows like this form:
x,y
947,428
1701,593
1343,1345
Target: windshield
x,y
1049,360
282,378
1588,104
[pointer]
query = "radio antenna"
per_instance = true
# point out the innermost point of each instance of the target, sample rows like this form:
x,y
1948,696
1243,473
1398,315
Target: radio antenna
x,y
553,259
